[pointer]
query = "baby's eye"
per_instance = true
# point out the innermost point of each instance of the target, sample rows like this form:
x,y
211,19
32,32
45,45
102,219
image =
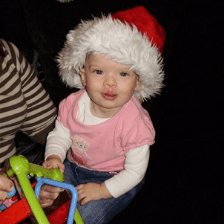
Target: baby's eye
x,y
123,74
98,72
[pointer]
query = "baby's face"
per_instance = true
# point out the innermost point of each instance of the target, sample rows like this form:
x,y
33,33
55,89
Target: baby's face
x,y
109,84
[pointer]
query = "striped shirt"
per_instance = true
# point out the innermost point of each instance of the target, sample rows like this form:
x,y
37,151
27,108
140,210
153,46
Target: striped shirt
x,y
24,104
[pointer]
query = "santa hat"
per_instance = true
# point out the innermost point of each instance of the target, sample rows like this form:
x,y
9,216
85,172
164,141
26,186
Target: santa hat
x,y
132,37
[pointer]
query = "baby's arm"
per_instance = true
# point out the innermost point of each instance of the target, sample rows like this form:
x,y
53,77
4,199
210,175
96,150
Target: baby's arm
x,y
49,193
58,143
136,164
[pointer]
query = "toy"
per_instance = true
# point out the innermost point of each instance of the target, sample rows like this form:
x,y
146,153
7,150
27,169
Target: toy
x,y
29,204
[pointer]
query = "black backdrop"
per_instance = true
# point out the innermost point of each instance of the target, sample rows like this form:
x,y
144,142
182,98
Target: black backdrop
x,y
184,181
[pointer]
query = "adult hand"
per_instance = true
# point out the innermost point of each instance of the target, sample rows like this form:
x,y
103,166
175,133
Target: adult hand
x,y
6,185
48,194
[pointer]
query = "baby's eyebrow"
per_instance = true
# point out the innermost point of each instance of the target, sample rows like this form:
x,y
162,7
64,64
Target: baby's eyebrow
x,y
94,66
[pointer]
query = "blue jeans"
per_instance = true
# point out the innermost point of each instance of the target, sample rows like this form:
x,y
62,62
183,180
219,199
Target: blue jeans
x,y
101,211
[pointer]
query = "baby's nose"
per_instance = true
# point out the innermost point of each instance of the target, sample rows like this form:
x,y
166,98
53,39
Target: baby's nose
x,y
110,81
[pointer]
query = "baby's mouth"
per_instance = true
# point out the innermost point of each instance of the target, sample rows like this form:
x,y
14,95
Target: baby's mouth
x,y
109,95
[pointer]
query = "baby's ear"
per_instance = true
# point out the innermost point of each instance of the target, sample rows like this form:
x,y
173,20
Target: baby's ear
x,y
82,76
138,85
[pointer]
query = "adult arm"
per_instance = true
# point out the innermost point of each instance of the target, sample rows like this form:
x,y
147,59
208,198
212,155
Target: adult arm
x,y
41,112
25,104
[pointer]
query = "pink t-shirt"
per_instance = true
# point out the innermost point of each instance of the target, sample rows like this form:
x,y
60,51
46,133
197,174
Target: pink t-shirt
x,y
102,147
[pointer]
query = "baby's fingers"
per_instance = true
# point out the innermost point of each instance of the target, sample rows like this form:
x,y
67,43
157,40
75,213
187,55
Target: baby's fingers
x,y
83,201
47,165
61,167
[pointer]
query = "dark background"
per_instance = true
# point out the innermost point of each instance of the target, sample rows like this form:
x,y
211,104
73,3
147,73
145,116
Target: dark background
x,y
184,181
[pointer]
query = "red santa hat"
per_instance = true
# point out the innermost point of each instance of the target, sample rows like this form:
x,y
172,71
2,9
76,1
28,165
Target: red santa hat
x,y
133,37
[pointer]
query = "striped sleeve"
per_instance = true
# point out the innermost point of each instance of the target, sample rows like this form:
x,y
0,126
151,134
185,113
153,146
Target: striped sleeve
x,y
41,112
24,104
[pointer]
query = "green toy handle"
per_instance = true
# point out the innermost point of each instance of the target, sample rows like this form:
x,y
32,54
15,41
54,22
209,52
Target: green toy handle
x,y
32,200
20,165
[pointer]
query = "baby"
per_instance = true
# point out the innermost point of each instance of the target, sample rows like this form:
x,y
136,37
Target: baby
x,y
103,129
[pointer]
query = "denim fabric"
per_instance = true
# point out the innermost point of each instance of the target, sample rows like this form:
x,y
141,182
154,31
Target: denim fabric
x,y
101,211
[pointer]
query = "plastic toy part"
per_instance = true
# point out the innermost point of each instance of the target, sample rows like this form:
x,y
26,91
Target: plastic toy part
x,y
22,168
11,193
2,207
18,211
20,165
12,216
60,214
71,188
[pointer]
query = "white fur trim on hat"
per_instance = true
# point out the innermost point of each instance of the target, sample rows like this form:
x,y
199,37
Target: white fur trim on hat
x,y
122,43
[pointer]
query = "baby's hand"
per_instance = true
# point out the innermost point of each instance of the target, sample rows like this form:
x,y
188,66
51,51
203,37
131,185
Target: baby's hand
x,y
92,192
49,193
54,161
